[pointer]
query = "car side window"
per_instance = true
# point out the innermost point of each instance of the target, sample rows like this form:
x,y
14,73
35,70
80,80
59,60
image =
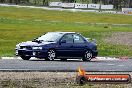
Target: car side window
x,y
78,39
68,38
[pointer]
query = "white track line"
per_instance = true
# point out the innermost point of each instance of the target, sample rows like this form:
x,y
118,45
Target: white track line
x,y
14,58
107,58
96,59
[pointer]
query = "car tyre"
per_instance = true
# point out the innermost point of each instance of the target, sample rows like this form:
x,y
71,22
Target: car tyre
x,y
25,57
51,55
87,56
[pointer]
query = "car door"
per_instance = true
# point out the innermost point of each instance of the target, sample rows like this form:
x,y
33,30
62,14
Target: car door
x,y
65,49
79,45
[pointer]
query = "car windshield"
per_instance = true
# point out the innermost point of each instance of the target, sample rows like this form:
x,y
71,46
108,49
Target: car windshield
x,y
50,37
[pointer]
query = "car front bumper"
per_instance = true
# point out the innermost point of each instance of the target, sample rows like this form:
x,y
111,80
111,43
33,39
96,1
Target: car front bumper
x,y
32,53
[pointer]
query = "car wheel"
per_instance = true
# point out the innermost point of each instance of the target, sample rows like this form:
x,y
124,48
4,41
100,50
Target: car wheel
x,y
25,57
87,56
51,55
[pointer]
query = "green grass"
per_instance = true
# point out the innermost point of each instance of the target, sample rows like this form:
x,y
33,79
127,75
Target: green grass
x,y
23,24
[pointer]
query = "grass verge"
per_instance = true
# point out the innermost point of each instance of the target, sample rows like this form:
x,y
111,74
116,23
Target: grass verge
x,y
23,24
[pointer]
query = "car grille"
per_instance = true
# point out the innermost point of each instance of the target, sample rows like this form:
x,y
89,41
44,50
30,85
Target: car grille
x,y
20,52
26,47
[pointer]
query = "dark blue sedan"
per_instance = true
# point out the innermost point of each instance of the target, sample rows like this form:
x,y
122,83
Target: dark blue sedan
x,y
62,45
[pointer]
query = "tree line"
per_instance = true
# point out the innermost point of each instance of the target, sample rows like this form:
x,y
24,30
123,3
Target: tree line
x,y
118,4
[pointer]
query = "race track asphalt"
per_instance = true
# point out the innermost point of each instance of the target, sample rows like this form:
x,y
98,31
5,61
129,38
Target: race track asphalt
x,y
65,66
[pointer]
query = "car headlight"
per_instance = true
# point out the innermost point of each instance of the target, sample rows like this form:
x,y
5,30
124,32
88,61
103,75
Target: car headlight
x,y
37,48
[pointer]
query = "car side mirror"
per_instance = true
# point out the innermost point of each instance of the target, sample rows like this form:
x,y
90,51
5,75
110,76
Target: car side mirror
x,y
62,41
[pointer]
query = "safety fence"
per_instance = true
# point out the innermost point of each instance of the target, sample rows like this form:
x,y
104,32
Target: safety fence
x,y
80,5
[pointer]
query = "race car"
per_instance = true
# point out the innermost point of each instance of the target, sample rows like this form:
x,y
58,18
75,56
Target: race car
x,y
54,45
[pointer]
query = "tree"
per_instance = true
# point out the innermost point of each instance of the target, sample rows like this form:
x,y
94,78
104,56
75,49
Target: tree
x,y
130,3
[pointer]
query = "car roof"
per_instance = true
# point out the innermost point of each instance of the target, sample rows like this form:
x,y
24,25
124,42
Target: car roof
x,y
62,32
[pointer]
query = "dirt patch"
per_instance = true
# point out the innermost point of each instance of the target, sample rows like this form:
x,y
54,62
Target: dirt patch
x,y
50,80
122,38
36,79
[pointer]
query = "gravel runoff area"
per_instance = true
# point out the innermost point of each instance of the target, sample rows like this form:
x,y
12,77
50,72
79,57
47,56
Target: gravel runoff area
x,y
122,38
51,80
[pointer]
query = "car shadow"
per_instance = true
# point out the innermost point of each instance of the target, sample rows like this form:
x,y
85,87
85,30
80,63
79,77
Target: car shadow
x,y
64,61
